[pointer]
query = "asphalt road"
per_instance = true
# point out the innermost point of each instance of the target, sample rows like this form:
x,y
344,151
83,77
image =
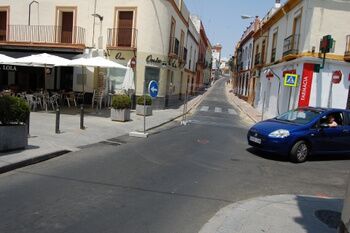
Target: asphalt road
x,y
172,182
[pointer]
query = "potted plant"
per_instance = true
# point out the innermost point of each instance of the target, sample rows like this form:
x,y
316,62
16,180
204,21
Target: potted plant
x,y
142,109
120,110
14,112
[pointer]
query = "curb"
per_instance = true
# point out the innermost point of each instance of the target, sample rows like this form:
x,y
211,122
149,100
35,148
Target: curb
x,y
242,109
32,161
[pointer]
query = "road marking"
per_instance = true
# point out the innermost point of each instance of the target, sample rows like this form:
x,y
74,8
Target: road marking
x,y
232,111
218,109
204,108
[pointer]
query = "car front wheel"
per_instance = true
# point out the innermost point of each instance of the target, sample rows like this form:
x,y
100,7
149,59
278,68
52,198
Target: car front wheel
x,y
299,152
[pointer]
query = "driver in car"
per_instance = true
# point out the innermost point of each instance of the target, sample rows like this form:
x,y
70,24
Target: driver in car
x,y
331,121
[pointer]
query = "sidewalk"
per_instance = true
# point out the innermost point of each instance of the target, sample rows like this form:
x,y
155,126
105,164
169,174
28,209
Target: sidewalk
x,y
277,214
44,143
246,108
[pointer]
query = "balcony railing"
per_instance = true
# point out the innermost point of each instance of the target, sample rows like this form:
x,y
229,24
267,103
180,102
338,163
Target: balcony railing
x,y
122,37
44,34
273,55
257,60
174,46
291,45
347,49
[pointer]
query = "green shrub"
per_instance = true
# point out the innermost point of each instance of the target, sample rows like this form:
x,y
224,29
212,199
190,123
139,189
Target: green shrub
x,y
13,110
140,100
121,102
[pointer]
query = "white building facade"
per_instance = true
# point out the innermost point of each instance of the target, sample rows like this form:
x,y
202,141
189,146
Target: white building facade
x,y
154,33
294,34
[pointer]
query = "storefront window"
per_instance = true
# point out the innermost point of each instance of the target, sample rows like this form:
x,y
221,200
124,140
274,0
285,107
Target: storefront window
x,y
116,79
151,73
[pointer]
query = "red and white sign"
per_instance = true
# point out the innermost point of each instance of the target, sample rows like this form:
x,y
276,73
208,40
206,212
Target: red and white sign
x,y
336,77
269,75
306,83
133,63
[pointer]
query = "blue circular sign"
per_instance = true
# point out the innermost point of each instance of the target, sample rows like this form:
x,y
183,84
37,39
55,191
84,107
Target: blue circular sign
x,y
153,88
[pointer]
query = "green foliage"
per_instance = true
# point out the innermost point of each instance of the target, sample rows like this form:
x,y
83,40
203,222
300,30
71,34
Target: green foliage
x,y
140,100
13,110
121,102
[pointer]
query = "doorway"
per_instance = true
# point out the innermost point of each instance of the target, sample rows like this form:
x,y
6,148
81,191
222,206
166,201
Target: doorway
x,y
125,25
3,25
348,102
67,27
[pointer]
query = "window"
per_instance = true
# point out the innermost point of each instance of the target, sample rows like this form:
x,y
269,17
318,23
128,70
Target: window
x,y
274,45
299,116
65,24
3,24
336,116
125,33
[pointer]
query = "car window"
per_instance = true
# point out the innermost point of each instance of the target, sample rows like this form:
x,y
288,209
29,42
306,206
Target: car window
x,y
299,116
333,119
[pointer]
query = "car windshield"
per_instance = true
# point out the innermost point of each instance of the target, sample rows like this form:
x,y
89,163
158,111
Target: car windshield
x,y
299,116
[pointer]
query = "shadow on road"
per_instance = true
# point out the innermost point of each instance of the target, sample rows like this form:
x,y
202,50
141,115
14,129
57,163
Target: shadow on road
x,y
266,155
318,214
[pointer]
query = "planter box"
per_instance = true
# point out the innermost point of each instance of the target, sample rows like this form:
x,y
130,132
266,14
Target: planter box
x,y
13,137
120,114
140,110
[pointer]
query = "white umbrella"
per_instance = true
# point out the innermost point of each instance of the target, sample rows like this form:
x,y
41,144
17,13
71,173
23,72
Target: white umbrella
x,y
95,62
6,59
43,59
128,83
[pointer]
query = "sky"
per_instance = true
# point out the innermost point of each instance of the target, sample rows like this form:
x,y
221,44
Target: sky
x,y
222,18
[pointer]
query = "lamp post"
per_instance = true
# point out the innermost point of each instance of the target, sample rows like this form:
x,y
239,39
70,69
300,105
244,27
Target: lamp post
x,y
30,10
100,17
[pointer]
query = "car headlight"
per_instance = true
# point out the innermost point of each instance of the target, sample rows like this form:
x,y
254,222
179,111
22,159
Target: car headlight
x,y
281,133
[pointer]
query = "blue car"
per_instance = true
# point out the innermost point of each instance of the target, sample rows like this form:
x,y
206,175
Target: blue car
x,y
303,131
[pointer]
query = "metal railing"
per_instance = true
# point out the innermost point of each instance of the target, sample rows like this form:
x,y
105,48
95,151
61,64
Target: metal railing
x,y
273,55
174,46
122,37
42,34
291,45
347,49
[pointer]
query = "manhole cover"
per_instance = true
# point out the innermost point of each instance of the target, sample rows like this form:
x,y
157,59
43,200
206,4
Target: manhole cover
x,y
330,218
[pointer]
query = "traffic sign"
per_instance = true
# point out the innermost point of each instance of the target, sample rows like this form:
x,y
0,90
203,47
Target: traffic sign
x,y
153,88
291,80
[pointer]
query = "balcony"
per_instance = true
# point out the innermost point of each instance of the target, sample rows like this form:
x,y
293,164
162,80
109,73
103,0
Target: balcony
x,y
347,49
273,55
174,49
42,36
290,47
122,38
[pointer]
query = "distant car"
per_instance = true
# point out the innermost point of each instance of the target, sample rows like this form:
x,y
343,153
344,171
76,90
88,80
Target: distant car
x,y
303,131
344,226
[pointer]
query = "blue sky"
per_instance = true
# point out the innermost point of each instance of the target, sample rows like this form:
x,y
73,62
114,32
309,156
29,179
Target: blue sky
x,y
222,20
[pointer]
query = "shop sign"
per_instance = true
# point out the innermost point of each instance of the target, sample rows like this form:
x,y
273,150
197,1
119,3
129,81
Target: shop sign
x,y
151,60
305,86
291,80
337,76
119,56
8,68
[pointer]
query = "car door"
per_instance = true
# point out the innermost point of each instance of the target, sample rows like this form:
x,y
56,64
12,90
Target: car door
x,y
329,139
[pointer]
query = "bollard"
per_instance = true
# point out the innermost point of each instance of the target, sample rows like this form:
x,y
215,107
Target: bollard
x,y
57,120
82,117
28,125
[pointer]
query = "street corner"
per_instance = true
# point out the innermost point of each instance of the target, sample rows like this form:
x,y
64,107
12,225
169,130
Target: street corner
x,y
276,214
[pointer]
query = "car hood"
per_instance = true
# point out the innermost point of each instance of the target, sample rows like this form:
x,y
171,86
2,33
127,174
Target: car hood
x,y
269,126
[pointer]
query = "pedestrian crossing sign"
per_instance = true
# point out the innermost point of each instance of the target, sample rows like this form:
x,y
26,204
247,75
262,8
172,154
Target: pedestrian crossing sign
x,y
291,80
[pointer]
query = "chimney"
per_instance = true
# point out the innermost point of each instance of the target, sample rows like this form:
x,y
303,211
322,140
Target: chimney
x,y
278,4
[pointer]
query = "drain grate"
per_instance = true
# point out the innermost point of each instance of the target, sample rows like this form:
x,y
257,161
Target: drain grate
x,y
331,218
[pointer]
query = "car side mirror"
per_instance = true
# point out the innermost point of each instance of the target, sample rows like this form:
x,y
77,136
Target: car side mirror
x,y
324,126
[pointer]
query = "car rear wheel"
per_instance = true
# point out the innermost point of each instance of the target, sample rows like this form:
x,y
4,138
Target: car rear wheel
x,y
299,152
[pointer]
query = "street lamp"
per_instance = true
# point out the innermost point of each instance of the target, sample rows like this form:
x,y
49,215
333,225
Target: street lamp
x,y
30,10
100,17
